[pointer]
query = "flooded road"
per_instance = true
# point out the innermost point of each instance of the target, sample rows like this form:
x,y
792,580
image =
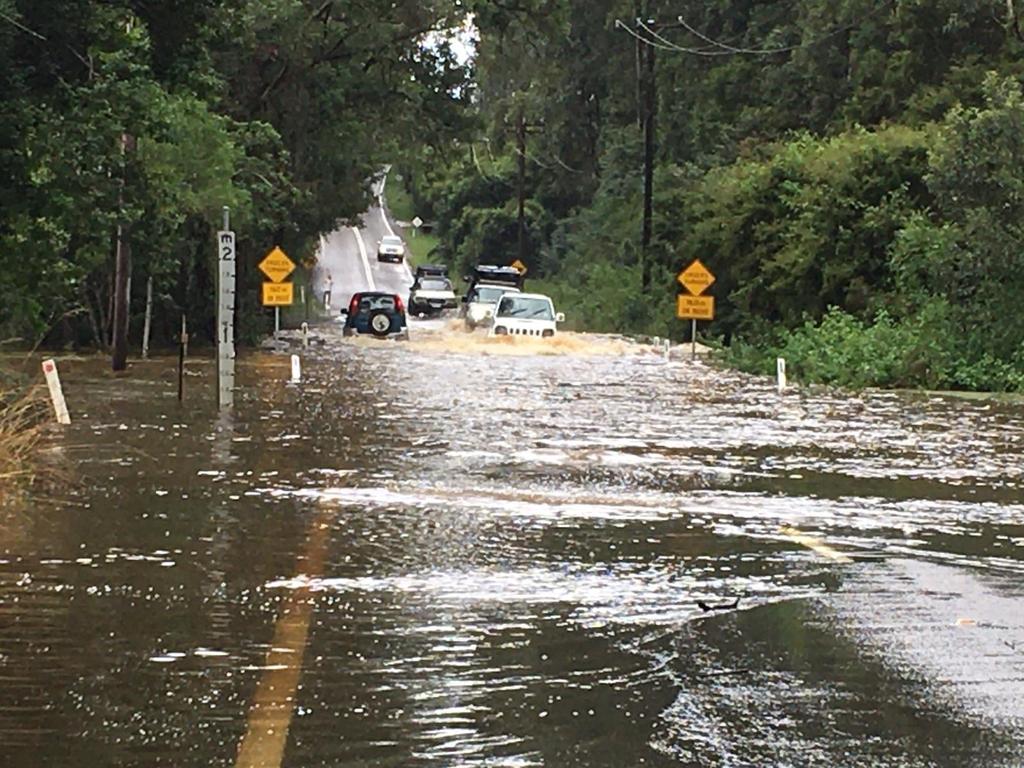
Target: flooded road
x,y
456,552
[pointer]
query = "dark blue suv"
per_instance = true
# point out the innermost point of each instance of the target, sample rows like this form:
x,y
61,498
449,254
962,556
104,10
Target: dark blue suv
x,y
376,313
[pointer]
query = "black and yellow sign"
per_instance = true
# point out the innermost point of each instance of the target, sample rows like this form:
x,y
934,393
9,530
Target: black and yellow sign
x,y
696,278
277,266
695,307
278,294
518,265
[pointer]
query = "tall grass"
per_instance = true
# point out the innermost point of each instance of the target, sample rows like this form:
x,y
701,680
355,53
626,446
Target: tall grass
x,y
22,417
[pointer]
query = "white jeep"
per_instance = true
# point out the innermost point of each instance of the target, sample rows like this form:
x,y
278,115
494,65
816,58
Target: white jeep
x,y
524,314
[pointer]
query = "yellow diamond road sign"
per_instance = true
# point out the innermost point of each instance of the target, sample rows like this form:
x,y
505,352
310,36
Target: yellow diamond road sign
x,y
278,294
277,266
696,278
517,264
695,307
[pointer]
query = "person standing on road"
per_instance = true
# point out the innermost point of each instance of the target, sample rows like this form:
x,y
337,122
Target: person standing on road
x,y
327,293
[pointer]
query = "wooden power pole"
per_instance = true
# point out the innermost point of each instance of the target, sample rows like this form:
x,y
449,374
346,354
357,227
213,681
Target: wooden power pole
x,y
521,146
649,104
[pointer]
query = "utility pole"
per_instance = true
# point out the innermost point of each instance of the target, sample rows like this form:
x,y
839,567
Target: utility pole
x,y
649,102
522,129
521,145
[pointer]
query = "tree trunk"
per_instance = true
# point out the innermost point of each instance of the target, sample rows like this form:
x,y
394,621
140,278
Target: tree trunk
x,y
1011,18
122,277
149,318
97,334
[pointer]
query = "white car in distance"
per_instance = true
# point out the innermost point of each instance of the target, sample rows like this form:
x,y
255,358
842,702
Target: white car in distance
x,y
525,314
480,303
390,248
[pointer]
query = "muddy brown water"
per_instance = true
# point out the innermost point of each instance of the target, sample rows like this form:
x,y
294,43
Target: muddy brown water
x,y
457,553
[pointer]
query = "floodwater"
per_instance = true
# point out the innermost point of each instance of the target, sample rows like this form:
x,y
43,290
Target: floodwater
x,y
456,552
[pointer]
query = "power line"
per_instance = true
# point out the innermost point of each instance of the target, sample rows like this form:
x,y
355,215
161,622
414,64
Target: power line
x,y
669,47
674,47
756,51
661,42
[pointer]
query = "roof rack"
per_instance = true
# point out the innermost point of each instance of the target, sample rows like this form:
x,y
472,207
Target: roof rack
x,y
431,270
491,273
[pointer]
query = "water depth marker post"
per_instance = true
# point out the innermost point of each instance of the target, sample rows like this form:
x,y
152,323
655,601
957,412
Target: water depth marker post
x,y
226,314
691,305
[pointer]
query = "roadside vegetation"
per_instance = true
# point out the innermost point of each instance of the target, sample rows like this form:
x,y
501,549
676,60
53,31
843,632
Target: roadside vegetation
x,y
860,205
849,169
136,122
22,411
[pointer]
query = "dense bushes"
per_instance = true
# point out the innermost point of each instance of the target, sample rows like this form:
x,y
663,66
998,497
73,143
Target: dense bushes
x,y
856,189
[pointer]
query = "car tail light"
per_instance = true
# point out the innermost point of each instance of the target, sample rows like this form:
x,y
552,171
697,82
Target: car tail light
x,y
399,305
353,306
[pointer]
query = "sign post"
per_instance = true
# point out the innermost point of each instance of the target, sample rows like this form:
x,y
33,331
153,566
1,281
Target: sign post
x,y
226,314
417,222
691,305
277,266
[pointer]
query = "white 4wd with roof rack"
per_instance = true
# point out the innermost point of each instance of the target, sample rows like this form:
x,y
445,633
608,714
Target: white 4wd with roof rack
x,y
525,314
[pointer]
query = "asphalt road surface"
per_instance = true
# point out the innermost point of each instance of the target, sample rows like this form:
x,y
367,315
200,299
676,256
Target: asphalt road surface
x,y
349,255
462,551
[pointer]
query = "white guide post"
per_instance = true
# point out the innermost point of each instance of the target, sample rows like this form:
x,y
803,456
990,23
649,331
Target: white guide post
x,y
60,407
780,371
226,315
296,370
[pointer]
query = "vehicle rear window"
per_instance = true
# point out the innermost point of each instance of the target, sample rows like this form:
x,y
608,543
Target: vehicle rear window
x,y
489,295
373,303
435,284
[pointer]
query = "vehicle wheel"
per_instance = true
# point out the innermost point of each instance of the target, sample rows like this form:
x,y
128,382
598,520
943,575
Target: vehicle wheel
x,y
380,324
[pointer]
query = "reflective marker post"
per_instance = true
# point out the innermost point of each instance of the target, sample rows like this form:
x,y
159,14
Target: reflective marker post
x,y
60,406
226,315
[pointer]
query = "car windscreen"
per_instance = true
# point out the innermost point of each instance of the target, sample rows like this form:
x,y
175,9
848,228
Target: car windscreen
x,y
487,295
525,308
373,303
391,240
435,284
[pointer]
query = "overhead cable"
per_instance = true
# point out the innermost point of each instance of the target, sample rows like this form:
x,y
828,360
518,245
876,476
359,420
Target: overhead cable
x,y
671,46
750,51
674,47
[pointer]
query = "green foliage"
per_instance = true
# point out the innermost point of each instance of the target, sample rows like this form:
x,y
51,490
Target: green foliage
x,y
848,169
150,118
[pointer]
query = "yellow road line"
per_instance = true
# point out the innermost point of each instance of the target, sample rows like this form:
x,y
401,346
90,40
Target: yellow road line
x,y
817,545
273,703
